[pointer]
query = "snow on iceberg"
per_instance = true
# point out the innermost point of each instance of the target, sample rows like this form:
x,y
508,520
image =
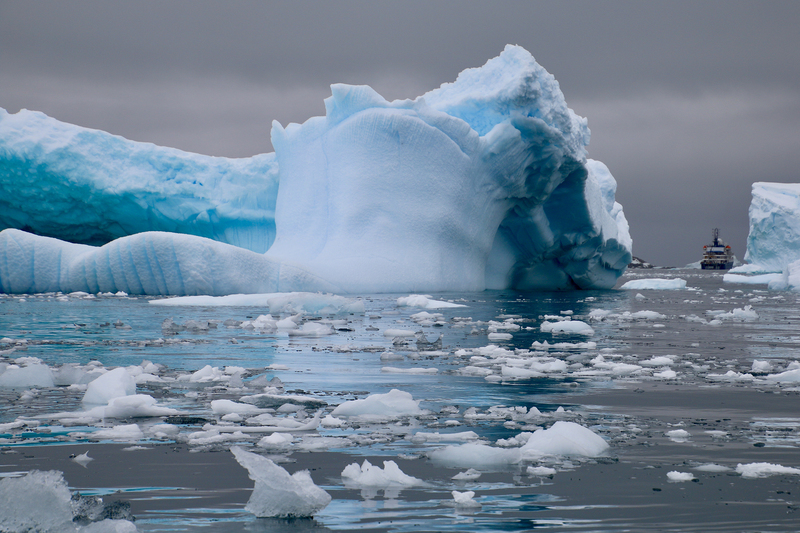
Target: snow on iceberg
x,y
481,183
88,186
276,492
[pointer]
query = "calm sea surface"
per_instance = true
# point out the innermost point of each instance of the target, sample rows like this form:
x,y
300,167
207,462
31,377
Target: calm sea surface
x,y
692,383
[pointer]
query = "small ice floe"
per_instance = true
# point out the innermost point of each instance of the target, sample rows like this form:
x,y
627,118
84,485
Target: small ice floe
x,y
276,492
659,360
124,432
465,499
678,477
291,302
496,336
761,367
424,301
739,314
561,439
789,376
575,327
82,459
469,475
462,436
541,471
712,467
393,404
756,470
369,475
678,435
655,284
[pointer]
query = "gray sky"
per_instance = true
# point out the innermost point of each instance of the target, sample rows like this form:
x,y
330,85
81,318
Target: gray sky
x,y
688,102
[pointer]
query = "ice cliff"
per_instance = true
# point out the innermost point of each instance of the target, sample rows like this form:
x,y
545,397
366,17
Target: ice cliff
x,y
481,183
91,187
774,238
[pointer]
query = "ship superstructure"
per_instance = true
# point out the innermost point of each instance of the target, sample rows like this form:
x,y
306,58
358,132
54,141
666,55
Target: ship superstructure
x,y
717,255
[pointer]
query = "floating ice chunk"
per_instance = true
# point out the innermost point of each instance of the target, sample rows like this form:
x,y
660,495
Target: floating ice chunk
x,y
38,501
133,406
475,455
83,459
677,477
654,284
761,279
565,438
423,436
125,432
756,470
332,422
712,467
541,471
465,499
576,327
745,314
312,329
369,475
678,435
392,404
761,367
659,360
500,336
276,440
26,377
564,346
224,407
646,315
112,384
469,475
278,494
789,376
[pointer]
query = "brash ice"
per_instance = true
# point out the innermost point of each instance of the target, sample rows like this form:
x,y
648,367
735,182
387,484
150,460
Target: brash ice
x,y
481,183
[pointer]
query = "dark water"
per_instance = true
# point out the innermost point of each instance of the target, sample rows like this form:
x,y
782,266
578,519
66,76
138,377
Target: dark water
x,y
732,414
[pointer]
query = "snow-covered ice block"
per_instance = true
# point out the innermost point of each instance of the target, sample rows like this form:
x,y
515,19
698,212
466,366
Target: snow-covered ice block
x,y
565,438
369,475
276,492
481,183
677,477
425,301
575,327
756,470
654,284
393,404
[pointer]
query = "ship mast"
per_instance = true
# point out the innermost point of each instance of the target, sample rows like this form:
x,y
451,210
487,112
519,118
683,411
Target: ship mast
x,y
715,234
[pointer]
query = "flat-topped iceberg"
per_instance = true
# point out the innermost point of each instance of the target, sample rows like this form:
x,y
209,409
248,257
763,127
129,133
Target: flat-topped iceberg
x,y
481,183
774,238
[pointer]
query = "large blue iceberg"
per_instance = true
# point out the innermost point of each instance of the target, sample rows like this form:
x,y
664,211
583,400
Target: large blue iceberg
x,y
481,183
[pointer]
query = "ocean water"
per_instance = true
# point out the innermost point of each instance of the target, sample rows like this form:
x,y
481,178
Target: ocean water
x,y
674,381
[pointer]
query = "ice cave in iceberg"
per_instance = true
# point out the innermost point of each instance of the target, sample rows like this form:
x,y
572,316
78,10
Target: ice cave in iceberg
x,y
481,183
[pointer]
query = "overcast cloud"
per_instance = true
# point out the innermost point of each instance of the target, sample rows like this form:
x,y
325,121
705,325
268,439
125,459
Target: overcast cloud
x,y
688,102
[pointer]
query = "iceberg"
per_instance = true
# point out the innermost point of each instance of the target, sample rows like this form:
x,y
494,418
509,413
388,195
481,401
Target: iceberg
x,y
480,184
774,238
91,187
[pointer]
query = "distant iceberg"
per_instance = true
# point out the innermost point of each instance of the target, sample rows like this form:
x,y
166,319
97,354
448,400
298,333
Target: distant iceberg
x,y
773,244
481,183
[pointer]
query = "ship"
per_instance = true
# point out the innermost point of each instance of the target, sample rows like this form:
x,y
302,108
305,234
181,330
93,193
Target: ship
x,y
717,255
